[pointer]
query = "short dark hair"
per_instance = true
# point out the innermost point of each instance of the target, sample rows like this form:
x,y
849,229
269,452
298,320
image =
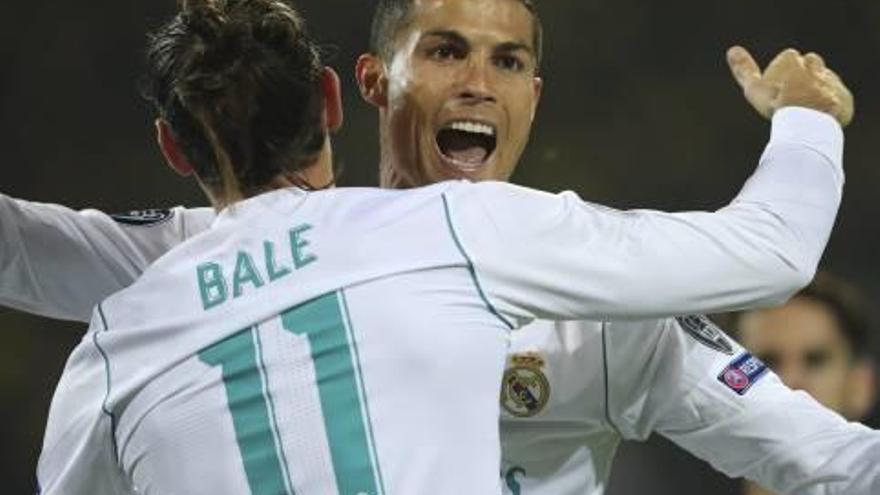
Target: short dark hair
x,y
848,306
239,83
391,16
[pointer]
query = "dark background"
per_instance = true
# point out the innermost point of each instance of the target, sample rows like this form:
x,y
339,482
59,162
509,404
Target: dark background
x,y
638,111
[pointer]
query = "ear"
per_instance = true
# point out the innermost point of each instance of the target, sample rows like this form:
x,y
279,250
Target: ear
x,y
171,149
537,89
372,81
862,390
332,88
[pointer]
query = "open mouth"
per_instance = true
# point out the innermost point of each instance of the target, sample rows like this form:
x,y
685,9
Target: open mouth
x,y
467,144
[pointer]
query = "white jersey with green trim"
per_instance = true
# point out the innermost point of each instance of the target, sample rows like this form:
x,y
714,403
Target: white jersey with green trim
x,y
58,262
573,390
329,342
535,255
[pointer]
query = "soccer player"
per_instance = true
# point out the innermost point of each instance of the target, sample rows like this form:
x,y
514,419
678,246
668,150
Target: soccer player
x,y
818,342
574,390
301,344
559,438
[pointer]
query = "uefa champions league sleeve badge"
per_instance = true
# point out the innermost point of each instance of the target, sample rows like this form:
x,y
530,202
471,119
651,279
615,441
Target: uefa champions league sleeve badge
x,y
143,218
742,373
525,389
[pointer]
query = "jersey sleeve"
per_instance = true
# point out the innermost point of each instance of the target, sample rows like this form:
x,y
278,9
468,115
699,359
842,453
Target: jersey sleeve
x,y
59,263
691,383
80,452
558,257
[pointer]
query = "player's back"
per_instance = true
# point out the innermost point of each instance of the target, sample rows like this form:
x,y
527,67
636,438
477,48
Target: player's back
x,y
305,344
412,293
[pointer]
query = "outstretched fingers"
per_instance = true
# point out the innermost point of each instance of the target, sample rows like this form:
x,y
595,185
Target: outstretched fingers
x,y
743,67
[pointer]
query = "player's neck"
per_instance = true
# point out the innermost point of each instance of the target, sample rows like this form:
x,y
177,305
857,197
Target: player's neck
x,y
318,175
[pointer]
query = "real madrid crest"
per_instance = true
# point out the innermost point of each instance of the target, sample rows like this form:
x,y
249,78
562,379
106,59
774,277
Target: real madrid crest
x,y
525,389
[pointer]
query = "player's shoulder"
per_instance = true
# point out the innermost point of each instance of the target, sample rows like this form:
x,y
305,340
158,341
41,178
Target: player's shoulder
x,y
452,192
506,205
339,202
148,217
495,190
182,220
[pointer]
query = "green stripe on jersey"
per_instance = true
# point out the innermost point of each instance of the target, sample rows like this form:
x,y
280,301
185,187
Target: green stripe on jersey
x,y
321,321
237,357
471,268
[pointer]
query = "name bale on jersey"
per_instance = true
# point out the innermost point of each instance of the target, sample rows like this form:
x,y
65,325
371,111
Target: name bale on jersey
x,y
214,280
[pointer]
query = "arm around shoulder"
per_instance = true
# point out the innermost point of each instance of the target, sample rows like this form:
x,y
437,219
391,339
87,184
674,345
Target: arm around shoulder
x,y
558,257
58,262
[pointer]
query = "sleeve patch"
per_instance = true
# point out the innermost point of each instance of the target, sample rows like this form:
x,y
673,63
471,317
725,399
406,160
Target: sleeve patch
x,y
143,218
742,373
701,329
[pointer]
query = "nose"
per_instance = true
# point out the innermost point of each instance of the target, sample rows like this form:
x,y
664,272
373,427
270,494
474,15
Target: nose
x,y
476,85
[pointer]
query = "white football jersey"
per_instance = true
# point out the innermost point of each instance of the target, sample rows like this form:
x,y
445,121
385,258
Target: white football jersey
x,y
573,390
304,344
298,346
58,262
781,218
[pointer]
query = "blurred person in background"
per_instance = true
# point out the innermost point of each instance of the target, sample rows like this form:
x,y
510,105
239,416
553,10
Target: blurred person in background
x,y
818,342
572,391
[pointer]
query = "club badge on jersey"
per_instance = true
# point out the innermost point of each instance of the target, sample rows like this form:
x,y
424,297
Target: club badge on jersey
x,y
742,373
143,218
525,390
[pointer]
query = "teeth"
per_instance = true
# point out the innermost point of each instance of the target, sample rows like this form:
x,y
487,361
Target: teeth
x,y
473,127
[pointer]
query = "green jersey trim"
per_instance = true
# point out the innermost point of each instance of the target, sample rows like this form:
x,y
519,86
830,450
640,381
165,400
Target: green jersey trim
x,y
471,268
607,389
364,402
104,408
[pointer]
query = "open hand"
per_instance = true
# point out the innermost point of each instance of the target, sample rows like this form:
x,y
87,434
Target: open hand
x,y
791,79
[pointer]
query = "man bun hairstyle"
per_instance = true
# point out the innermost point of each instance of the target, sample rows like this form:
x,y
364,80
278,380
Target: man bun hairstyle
x,y
239,83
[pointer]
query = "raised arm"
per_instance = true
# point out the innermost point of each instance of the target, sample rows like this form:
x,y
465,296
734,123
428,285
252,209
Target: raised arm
x,y
559,257
59,263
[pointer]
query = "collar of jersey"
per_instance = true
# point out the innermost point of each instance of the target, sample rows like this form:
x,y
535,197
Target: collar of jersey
x,y
266,201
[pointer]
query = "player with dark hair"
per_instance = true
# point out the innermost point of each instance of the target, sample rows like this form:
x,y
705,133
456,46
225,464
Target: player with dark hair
x,y
461,84
422,141
392,15
230,91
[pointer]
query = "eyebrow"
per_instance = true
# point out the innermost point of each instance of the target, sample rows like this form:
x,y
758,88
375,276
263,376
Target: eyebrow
x,y
512,46
507,46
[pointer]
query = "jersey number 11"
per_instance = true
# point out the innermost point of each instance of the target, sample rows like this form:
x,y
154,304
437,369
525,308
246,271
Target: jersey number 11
x,y
324,321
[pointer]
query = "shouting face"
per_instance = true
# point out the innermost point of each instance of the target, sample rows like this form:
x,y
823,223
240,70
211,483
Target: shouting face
x,y
457,91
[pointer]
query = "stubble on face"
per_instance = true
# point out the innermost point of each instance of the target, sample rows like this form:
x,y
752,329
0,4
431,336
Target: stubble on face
x,y
462,92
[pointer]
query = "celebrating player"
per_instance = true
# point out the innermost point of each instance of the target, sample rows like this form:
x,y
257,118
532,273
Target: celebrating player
x,y
304,338
599,387
573,390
